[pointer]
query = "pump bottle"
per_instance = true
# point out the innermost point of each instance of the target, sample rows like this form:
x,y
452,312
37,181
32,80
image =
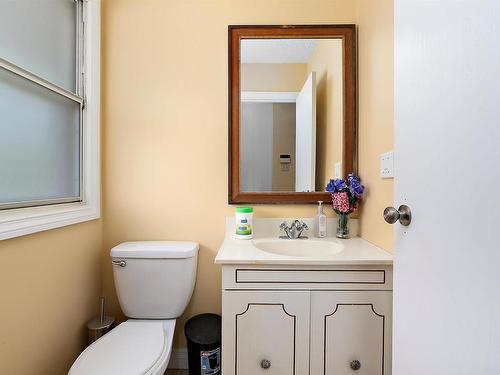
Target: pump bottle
x,y
320,222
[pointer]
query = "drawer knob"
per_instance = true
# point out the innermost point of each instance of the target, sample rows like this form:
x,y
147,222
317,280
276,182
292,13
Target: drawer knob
x,y
355,365
265,364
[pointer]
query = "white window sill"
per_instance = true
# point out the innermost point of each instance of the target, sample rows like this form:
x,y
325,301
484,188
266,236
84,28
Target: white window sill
x,y
23,221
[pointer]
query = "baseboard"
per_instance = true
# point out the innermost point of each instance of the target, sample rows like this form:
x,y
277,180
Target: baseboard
x,y
178,359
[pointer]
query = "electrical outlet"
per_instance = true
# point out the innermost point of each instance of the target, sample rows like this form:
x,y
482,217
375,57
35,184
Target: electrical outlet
x,y
387,165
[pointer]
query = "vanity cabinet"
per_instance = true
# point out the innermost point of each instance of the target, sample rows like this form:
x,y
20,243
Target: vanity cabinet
x,y
266,332
315,320
351,333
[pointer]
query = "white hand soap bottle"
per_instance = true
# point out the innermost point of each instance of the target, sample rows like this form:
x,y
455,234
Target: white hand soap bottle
x,y
320,222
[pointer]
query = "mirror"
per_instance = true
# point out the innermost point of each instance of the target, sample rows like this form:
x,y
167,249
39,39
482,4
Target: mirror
x,y
292,111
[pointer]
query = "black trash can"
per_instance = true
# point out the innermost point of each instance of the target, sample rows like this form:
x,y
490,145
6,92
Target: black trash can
x,y
203,333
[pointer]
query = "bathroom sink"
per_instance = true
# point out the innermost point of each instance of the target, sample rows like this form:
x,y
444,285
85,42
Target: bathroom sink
x,y
304,248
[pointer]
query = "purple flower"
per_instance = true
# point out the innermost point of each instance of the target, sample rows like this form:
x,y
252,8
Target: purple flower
x,y
351,177
346,194
354,184
355,188
335,186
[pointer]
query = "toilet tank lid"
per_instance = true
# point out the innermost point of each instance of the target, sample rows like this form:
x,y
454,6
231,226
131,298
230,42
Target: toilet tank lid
x,y
155,249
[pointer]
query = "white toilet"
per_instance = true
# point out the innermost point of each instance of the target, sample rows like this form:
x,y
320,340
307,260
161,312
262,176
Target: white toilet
x,y
154,281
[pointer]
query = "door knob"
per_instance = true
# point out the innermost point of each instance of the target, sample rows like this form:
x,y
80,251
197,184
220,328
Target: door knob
x,y
403,214
355,365
265,364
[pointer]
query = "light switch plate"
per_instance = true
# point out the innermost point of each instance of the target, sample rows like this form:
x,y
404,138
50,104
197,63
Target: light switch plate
x,y
338,170
387,165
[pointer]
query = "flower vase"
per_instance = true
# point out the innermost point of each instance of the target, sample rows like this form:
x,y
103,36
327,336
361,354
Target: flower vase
x,y
342,226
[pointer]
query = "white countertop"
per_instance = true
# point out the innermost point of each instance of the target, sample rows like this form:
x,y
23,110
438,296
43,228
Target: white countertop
x,y
353,251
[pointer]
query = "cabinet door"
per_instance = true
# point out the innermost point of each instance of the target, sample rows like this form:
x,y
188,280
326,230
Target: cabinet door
x,y
261,329
351,333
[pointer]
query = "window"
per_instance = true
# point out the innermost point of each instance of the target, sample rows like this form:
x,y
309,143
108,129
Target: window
x,y
49,114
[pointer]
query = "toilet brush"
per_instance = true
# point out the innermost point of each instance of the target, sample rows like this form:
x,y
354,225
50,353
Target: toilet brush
x,y
101,311
100,325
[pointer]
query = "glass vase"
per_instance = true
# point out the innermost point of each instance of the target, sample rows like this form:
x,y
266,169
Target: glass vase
x,y
343,226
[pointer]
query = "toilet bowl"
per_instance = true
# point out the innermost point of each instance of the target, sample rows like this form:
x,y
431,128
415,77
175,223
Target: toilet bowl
x,y
134,347
154,282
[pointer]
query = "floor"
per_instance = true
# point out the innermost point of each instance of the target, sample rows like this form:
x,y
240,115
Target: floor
x,y
176,372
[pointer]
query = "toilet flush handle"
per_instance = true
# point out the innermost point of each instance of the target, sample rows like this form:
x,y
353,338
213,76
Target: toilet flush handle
x,y
120,263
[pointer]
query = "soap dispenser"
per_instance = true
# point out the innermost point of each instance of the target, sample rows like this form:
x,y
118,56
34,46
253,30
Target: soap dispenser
x,y
320,222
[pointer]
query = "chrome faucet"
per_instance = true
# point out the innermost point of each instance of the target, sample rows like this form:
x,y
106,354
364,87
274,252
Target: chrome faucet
x,y
294,231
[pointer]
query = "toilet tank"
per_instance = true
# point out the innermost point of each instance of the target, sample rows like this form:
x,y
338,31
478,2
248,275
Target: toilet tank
x,y
154,279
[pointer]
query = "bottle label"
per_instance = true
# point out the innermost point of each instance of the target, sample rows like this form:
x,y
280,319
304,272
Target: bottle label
x,y
243,229
210,362
322,227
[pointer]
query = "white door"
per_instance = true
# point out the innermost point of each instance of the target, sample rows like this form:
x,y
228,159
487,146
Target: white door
x,y
265,333
351,333
305,136
447,143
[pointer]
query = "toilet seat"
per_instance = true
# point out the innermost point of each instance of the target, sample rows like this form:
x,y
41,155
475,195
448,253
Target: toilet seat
x,y
135,347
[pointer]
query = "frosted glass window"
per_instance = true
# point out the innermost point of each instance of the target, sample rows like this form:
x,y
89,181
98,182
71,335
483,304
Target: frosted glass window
x,y
41,106
39,143
40,36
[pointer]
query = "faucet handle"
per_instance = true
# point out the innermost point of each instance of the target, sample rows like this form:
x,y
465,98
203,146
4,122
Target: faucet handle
x,y
283,225
300,225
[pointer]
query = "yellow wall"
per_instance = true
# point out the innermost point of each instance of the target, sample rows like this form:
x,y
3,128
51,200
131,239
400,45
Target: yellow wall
x,y
376,113
283,143
165,117
50,285
326,61
165,120
273,77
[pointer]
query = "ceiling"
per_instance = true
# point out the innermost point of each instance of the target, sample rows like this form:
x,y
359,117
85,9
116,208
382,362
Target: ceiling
x,y
277,51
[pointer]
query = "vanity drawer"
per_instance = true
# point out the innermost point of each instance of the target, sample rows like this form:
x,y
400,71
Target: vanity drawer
x,y
331,278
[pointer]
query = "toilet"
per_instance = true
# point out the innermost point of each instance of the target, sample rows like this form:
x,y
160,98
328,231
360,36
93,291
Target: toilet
x,y
154,282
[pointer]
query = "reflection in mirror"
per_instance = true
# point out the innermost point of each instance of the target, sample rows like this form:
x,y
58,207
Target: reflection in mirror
x,y
291,114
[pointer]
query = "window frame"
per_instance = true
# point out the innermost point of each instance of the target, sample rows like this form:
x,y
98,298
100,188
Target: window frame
x,y
16,222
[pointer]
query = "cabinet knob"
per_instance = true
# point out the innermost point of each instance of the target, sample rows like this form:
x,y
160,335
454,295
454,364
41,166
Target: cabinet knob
x,y
265,364
355,365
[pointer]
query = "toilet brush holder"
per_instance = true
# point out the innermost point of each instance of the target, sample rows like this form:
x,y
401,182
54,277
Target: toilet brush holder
x,y
99,326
